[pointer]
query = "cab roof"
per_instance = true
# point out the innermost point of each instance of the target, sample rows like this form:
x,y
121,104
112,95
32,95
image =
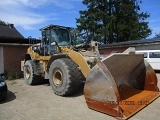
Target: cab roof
x,y
48,27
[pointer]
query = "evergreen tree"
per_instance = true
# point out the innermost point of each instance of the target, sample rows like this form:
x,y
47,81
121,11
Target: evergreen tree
x,y
76,38
157,35
111,21
2,23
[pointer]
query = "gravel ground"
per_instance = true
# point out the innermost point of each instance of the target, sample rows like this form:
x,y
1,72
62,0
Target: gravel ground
x,y
26,102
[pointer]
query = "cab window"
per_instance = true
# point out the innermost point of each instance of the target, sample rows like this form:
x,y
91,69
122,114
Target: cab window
x,y
154,55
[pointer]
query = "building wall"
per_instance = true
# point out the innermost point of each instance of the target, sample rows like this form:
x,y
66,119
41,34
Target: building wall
x,y
1,60
12,58
107,51
148,46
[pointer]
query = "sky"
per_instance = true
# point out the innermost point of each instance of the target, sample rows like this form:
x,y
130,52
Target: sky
x,y
28,16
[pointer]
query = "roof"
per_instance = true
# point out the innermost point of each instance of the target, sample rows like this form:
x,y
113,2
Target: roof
x,y
55,26
131,43
20,40
9,34
9,31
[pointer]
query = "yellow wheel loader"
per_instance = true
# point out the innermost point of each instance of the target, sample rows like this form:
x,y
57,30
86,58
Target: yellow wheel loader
x,y
119,85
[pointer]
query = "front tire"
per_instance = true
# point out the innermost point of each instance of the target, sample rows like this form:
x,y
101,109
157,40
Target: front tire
x,y
64,76
29,73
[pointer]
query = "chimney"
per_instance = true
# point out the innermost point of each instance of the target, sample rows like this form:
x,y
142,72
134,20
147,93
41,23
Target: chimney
x,y
11,25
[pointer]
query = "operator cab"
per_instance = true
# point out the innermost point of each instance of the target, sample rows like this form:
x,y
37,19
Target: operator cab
x,y
61,36
52,36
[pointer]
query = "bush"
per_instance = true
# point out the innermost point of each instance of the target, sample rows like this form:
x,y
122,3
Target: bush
x,y
10,76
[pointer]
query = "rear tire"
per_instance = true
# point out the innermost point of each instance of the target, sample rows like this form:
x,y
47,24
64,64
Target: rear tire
x,y
29,73
64,76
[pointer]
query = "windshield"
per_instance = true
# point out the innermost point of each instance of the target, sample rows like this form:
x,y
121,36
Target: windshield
x,y
61,36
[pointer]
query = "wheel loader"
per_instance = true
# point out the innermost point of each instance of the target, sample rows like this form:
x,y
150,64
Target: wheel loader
x,y
119,85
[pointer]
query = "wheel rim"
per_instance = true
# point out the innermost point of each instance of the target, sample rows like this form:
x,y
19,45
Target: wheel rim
x,y
27,72
57,77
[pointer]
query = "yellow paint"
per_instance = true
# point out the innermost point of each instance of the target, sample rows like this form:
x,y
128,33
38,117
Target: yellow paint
x,y
75,56
35,56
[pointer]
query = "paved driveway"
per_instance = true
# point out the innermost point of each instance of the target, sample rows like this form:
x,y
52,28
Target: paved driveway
x,y
26,102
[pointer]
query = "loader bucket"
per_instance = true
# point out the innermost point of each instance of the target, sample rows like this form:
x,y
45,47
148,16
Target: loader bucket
x,y
121,85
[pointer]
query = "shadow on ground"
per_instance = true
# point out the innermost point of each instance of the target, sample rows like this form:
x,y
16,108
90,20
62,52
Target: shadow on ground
x,y
79,92
10,97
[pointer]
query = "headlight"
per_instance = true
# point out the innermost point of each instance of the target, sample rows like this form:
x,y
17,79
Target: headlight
x,y
2,84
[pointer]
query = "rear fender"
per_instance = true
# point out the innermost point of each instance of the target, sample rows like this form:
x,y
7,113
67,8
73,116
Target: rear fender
x,y
28,57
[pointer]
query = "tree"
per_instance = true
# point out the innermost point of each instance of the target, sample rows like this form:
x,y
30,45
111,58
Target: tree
x,y
76,38
157,35
111,21
2,22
